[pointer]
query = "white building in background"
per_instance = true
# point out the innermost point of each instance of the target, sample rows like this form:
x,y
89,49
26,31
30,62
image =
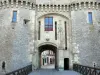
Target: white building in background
x,y
69,28
47,58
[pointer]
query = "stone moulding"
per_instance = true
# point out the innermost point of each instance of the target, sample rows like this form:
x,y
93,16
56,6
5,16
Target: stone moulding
x,y
45,43
68,7
51,7
13,3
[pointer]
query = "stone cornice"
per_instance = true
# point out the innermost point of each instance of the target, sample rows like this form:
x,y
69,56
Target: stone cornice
x,y
85,5
50,7
68,7
53,8
17,3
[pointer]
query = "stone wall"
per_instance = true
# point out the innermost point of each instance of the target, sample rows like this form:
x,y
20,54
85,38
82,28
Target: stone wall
x,y
15,38
86,36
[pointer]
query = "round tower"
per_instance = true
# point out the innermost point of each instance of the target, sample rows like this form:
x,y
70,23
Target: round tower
x,y
17,18
85,19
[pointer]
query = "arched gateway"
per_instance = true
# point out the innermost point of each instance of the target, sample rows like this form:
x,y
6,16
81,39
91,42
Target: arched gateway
x,y
47,47
61,58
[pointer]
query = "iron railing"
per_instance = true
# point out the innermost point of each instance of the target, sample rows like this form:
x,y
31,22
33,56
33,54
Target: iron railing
x,y
23,71
84,70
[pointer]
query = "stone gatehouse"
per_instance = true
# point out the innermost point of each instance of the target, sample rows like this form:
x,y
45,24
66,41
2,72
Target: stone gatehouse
x,y
69,28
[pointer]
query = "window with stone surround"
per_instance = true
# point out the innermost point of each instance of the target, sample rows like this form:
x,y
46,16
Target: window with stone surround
x,y
90,20
48,23
14,18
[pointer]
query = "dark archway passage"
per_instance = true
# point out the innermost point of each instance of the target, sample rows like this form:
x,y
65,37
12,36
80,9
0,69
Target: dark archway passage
x,y
47,47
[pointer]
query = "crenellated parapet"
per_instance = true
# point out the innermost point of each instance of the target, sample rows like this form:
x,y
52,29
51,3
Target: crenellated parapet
x,y
52,8
68,7
85,5
17,3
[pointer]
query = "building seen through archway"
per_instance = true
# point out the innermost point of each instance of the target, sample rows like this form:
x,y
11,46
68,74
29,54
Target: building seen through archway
x,y
47,59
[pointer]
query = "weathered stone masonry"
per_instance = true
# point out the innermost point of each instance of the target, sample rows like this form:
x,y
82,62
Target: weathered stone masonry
x,y
19,41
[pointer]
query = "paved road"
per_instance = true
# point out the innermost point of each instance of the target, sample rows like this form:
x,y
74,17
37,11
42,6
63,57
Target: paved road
x,y
53,72
2,73
51,66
